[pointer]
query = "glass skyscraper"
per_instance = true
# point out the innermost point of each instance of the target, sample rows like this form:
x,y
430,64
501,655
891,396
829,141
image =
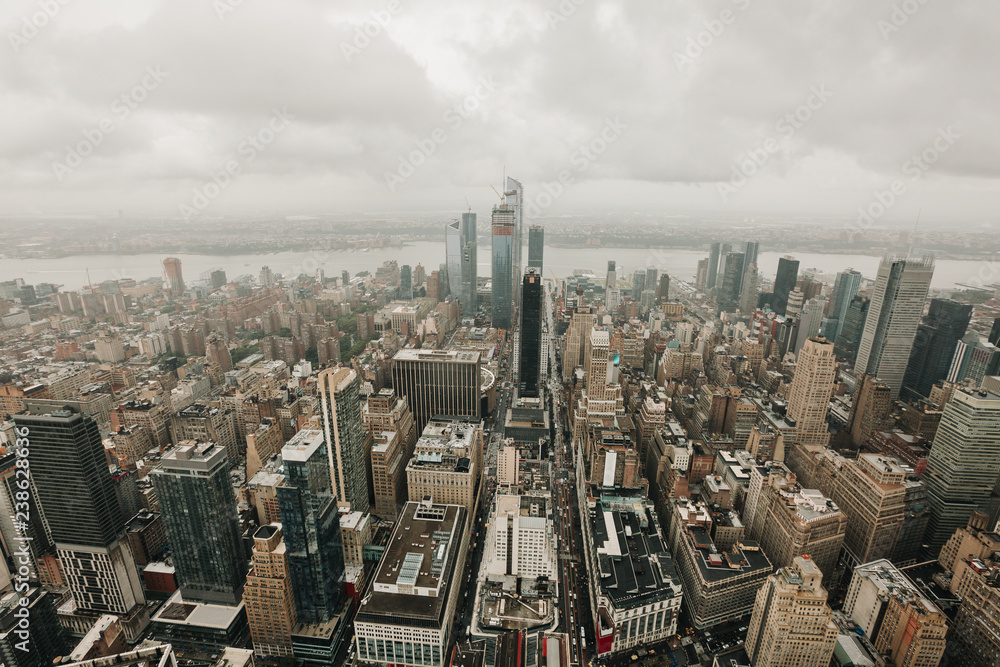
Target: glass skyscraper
x,y
453,256
198,508
504,240
311,525
784,283
469,264
893,316
345,436
531,333
933,348
536,246
845,288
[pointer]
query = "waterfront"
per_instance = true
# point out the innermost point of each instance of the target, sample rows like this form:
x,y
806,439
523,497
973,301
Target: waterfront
x,y
71,272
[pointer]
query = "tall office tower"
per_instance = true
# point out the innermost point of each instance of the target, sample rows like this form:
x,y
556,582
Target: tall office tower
x,y
504,239
207,424
266,277
897,305
713,265
610,283
268,595
749,257
311,524
728,294
812,386
904,625
345,437
964,462
792,624
575,341
748,295
30,632
638,283
536,248
217,352
994,336
77,495
870,492
388,419
532,304
514,197
663,289
974,359
604,392
651,278
784,282
198,508
810,320
438,382
869,410
846,345
701,275
934,346
470,264
405,282
218,278
453,255
801,521
172,275
845,288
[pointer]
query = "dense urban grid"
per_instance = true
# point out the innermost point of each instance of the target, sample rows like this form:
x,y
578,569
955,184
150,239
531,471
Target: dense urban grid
x,y
484,464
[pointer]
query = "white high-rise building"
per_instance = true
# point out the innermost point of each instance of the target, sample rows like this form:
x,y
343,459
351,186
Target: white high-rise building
x,y
893,317
523,538
812,386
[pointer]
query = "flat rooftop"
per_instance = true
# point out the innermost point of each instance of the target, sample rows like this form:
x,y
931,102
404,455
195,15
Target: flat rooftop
x,y
463,356
302,445
177,611
635,566
414,577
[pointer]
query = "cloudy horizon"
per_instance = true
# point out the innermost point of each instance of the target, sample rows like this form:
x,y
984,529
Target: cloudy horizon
x,y
224,107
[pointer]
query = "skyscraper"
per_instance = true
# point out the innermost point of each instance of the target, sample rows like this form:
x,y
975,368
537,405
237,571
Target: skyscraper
x,y
964,462
897,304
784,282
531,333
470,264
663,289
810,320
974,358
453,256
438,382
728,294
536,248
748,294
504,247
749,258
651,276
345,437
311,524
514,197
77,495
846,345
172,275
269,601
638,283
812,386
610,283
405,282
792,624
934,346
845,288
713,265
198,508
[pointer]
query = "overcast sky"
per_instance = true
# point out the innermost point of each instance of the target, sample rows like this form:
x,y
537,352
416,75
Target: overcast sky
x,y
669,96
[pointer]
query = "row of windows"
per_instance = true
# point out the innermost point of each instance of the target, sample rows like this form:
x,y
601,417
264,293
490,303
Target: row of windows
x,y
410,653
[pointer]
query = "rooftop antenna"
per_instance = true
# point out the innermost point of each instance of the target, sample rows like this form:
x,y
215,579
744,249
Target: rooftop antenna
x,y
468,204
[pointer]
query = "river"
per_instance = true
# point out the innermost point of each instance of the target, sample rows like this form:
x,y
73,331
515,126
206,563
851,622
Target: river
x,y
71,272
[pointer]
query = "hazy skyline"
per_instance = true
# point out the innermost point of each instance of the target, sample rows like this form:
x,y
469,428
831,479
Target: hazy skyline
x,y
314,109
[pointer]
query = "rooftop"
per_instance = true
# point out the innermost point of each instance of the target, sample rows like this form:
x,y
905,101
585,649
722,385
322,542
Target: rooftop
x,y
303,445
464,356
177,611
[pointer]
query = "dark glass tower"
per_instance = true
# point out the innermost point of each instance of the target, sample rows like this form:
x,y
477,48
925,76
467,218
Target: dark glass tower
x,y
728,294
504,290
77,495
784,283
311,524
470,263
198,507
536,245
933,348
713,264
846,346
405,282
663,289
531,333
